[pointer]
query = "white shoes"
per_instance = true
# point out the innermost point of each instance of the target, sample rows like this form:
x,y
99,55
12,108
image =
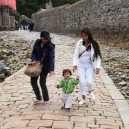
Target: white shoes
x,y
92,96
82,102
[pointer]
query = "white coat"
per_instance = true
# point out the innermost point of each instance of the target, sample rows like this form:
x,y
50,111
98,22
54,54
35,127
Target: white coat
x,y
96,62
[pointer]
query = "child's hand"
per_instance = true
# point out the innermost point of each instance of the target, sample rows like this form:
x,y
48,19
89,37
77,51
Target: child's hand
x,y
57,86
77,77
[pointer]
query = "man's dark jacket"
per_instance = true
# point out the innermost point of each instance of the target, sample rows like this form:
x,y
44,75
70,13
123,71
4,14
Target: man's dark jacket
x,y
37,54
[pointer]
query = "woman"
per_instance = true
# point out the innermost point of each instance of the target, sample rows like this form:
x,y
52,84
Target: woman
x,y
43,46
87,59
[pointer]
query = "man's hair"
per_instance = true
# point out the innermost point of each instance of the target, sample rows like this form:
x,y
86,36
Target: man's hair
x,y
65,71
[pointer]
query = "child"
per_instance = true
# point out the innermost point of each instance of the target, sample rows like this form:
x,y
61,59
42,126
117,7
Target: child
x,y
68,85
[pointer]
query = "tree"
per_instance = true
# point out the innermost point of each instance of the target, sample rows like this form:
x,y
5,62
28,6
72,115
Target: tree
x,y
28,7
17,16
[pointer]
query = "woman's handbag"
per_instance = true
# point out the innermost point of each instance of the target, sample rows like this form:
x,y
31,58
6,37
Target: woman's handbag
x,y
35,70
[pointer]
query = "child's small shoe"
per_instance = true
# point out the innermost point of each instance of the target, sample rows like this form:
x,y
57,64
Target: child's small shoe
x,y
67,109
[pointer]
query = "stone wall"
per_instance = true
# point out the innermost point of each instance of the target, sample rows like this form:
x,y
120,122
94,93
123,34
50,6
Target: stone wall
x,y
107,19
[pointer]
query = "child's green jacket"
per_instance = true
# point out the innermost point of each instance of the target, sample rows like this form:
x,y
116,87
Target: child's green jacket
x,y
68,85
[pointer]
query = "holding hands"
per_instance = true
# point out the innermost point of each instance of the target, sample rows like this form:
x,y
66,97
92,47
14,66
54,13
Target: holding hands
x,y
74,68
77,77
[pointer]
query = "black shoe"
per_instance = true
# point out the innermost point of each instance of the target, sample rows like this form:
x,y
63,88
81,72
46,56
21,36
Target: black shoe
x,y
67,109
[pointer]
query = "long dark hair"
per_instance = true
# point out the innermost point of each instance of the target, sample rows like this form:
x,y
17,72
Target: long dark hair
x,y
45,34
94,43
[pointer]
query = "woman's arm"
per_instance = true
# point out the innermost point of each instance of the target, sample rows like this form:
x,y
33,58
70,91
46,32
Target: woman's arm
x,y
98,65
33,57
98,62
76,55
51,58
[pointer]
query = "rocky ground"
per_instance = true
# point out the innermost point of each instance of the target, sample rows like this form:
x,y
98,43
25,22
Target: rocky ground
x,y
116,63
15,52
16,49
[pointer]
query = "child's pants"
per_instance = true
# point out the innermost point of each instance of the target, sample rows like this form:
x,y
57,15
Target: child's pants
x,y
89,72
66,99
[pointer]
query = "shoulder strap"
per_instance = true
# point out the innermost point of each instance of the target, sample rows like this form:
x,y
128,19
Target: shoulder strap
x,y
81,53
84,50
